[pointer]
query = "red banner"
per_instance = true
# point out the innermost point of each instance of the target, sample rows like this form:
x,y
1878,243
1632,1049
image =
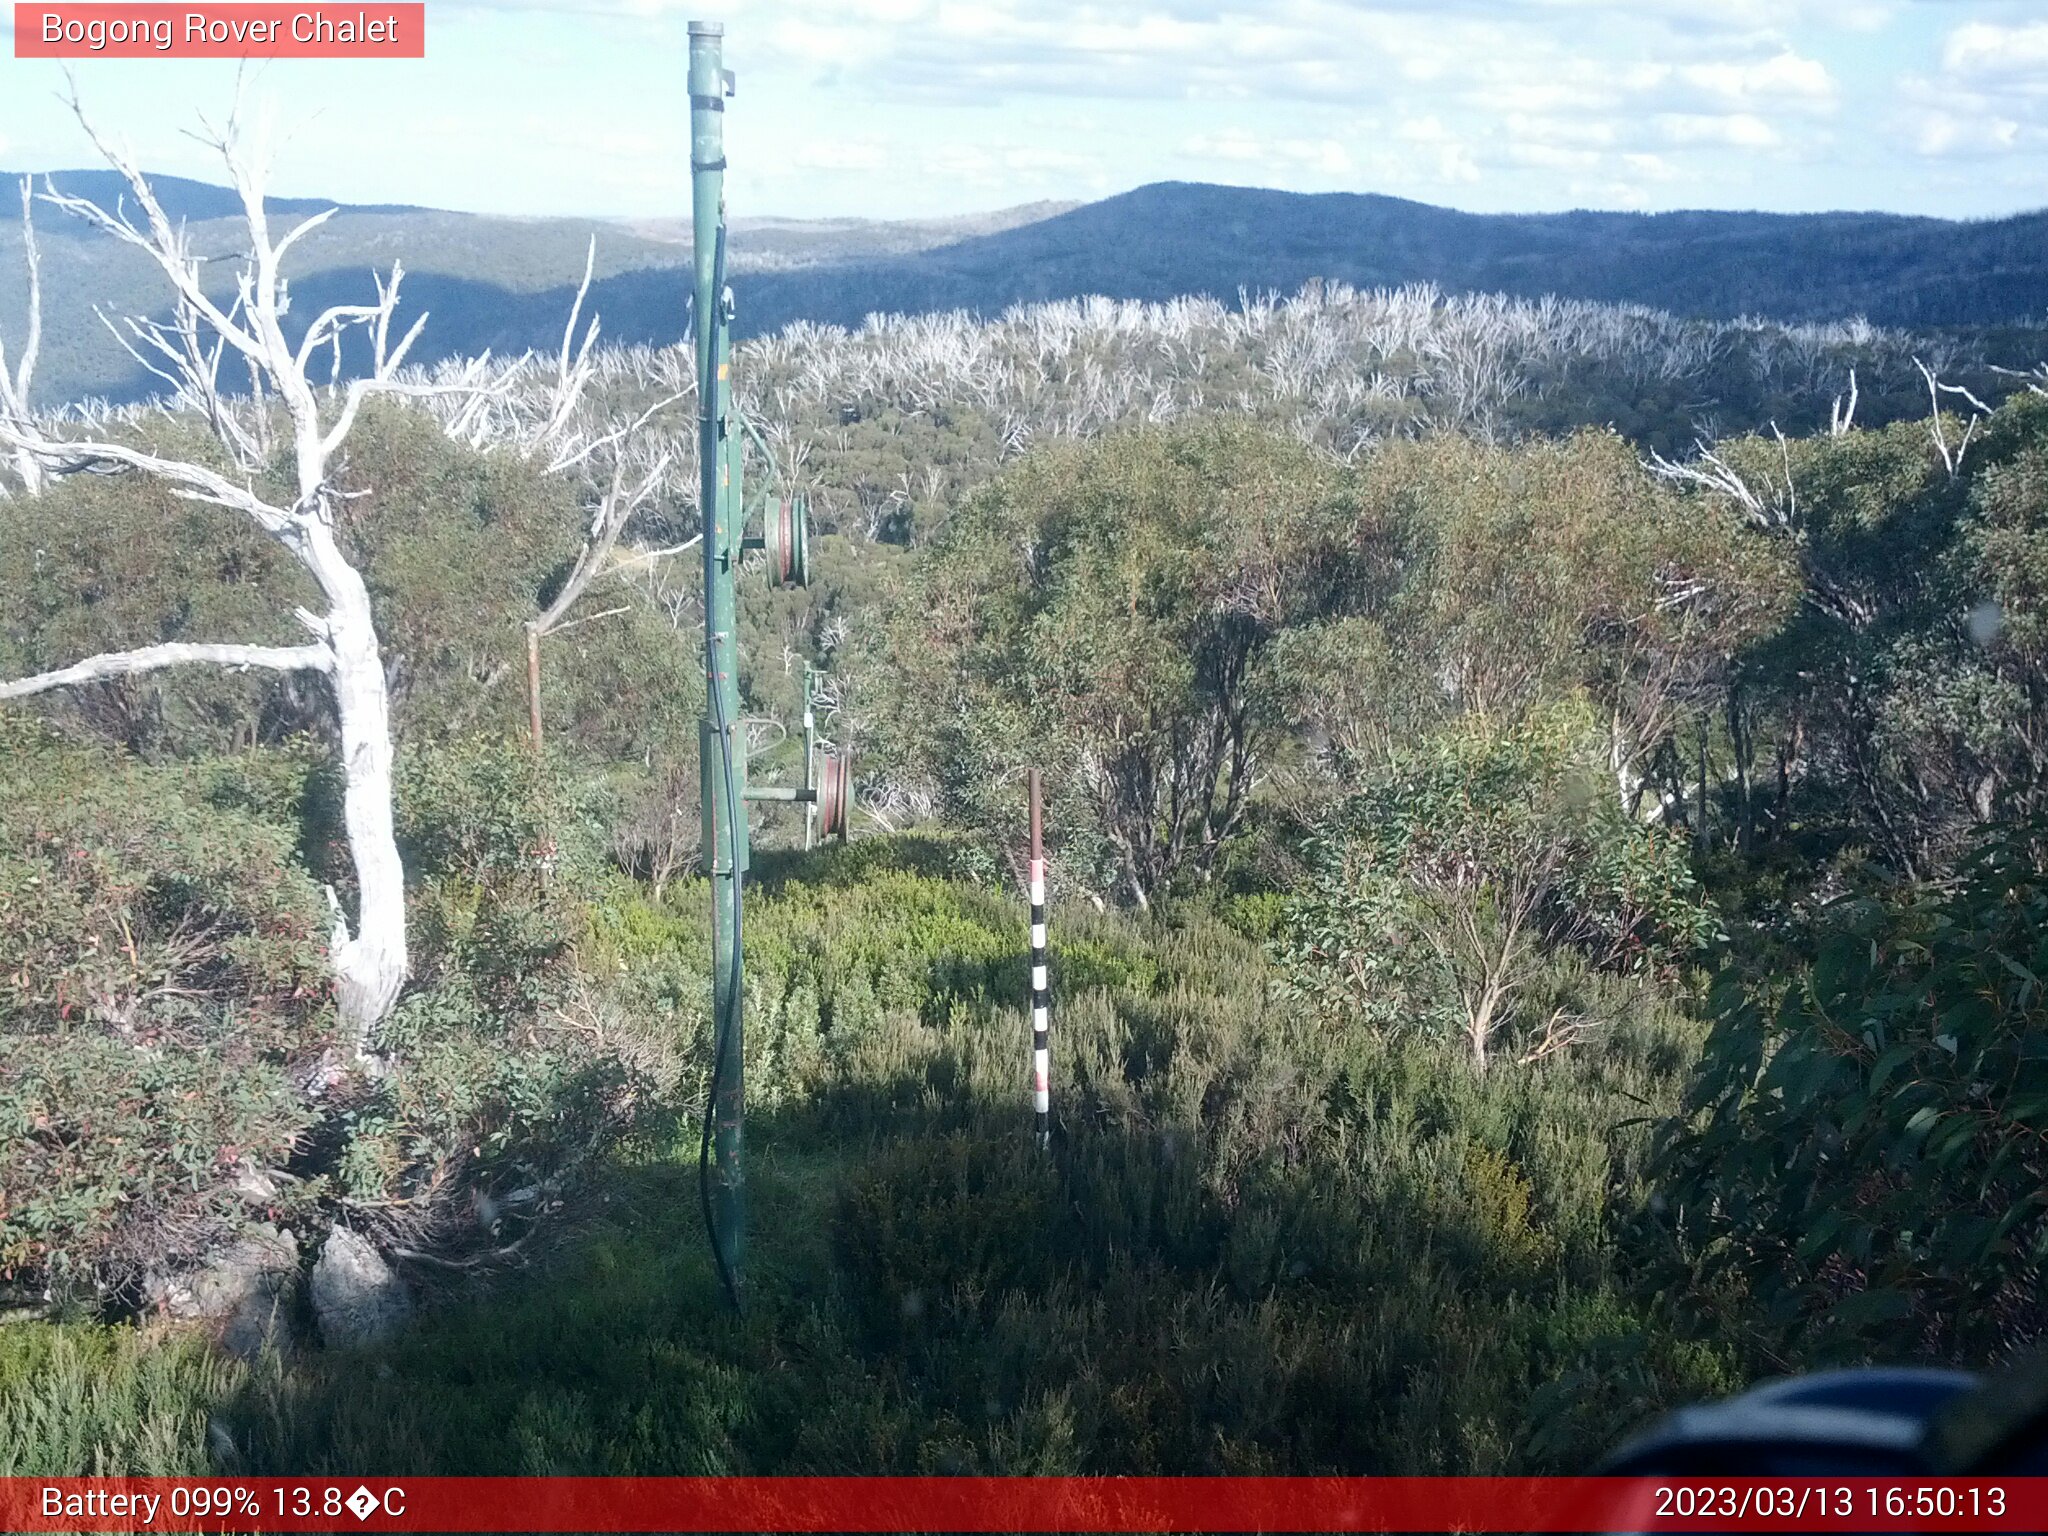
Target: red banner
x,y
255,29
1063,1504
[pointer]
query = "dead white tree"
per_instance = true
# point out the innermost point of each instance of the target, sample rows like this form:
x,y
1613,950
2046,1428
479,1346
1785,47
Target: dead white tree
x,y
370,961
1709,471
2033,377
1951,457
614,510
1842,414
565,443
14,386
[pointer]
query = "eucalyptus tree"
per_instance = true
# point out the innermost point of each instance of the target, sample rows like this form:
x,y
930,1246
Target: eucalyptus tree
x,y
1106,611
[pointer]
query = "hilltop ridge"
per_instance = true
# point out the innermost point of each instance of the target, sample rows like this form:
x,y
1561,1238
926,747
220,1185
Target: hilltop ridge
x,y
504,283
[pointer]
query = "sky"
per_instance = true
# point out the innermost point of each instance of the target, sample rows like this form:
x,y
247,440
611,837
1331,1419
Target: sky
x,y
912,108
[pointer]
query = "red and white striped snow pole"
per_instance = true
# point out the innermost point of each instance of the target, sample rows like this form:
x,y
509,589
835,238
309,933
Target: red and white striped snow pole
x,y
1041,995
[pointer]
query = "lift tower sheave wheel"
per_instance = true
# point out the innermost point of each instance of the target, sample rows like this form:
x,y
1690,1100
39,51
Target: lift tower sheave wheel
x,y
786,537
835,795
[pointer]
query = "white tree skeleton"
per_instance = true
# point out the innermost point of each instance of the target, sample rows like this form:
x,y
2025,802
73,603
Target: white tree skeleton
x,y
14,387
370,963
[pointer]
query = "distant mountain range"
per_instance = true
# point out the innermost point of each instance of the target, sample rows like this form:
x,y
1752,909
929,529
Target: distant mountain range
x,y
506,283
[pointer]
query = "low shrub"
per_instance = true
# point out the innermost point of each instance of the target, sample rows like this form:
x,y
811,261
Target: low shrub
x,y
1862,1151
162,978
1455,873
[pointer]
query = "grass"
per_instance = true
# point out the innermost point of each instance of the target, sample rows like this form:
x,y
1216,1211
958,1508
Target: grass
x,y
1256,1246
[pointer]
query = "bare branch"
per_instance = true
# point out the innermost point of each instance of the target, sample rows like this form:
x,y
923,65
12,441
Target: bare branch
x,y
2033,377
370,963
591,618
613,513
300,231
1709,471
1791,490
154,658
31,346
1951,458
574,455
63,457
14,387
164,243
648,556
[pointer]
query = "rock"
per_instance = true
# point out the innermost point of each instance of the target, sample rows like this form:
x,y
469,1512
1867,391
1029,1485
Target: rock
x,y
356,1297
248,1292
254,1185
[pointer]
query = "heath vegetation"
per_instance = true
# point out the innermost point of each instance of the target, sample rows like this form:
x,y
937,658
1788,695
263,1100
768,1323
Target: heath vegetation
x,y
1548,898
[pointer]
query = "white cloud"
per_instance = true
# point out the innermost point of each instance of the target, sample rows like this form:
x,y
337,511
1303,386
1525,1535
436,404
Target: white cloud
x,y
1453,161
1982,54
1739,130
823,43
893,12
1785,79
1231,144
1989,98
1738,18
1609,194
841,155
1326,157
898,106
1551,157
1526,127
1944,134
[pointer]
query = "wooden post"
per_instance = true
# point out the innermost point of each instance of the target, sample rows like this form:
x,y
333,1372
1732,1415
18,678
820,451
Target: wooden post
x,y
533,685
1041,997
810,756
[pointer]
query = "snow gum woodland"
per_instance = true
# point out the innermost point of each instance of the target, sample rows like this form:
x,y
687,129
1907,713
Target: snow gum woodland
x,y
1490,746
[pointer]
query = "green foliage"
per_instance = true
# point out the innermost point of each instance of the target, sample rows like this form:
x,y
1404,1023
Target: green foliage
x,y
1864,1147
1446,879
501,845
1258,1245
161,964
109,1402
1433,728
166,1001
102,563
1104,611
459,548
1534,573
1967,696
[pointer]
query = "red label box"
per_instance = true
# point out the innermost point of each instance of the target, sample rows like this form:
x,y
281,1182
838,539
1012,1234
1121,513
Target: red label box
x,y
241,29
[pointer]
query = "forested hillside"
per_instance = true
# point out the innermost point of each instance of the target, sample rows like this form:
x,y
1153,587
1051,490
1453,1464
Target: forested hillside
x,y
1545,807
1176,238
1977,291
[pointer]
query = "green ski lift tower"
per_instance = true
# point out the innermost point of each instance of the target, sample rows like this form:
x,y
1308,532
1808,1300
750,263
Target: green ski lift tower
x,y
826,790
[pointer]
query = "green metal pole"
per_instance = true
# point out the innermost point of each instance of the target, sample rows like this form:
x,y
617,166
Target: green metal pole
x,y
722,747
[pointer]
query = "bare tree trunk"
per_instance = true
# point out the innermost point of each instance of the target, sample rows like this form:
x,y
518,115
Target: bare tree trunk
x,y
14,386
371,964
620,501
1480,1029
1743,740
